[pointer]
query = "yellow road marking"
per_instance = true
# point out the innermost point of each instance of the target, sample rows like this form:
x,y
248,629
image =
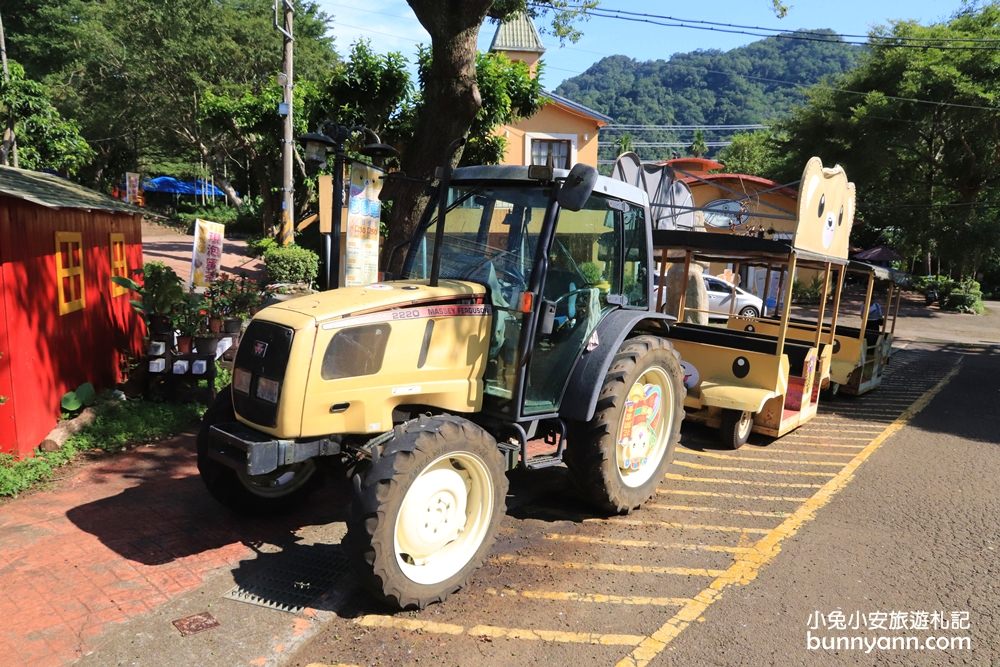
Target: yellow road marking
x,y
588,539
744,482
498,632
722,494
727,457
806,452
746,567
702,466
597,598
608,567
681,526
693,508
838,444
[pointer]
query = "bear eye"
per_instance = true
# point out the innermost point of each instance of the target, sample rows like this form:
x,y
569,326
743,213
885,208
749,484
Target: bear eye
x,y
822,206
840,218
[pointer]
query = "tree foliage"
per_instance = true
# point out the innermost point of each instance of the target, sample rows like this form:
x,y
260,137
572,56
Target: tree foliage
x,y
45,140
920,138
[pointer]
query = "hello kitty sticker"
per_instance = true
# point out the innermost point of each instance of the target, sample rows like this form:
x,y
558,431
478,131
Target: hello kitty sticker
x,y
640,423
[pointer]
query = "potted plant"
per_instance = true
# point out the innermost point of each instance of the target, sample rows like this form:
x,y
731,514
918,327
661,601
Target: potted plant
x,y
220,298
159,295
233,300
190,318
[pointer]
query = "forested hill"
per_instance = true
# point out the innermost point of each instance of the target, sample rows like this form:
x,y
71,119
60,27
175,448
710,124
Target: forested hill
x,y
711,86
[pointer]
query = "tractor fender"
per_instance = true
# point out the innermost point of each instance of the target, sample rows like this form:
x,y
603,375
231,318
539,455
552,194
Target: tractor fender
x,y
580,400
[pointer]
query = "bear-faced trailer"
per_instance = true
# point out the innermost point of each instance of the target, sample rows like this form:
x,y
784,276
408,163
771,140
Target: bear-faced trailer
x,y
744,380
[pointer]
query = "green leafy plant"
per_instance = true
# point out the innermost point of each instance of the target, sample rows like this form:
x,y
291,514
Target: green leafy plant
x,y
79,398
807,293
230,297
291,264
160,292
223,377
190,317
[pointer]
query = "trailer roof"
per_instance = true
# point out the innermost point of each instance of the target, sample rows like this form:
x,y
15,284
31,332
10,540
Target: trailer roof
x,y
724,247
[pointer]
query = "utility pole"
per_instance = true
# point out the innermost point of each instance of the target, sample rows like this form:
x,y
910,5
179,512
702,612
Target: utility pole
x,y
9,150
288,138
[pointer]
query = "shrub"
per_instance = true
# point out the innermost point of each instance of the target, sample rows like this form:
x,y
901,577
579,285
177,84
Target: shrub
x,y
810,293
221,213
964,297
291,264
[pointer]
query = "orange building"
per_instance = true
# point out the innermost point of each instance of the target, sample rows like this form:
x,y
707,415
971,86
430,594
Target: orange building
x,y
563,129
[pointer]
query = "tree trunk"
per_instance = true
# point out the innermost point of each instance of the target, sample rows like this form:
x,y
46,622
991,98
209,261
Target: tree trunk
x,y
232,196
451,102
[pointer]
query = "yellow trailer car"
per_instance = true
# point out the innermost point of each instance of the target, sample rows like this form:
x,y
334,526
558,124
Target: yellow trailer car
x,y
860,353
744,380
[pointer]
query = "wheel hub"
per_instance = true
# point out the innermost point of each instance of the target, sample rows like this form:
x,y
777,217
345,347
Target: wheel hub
x,y
433,513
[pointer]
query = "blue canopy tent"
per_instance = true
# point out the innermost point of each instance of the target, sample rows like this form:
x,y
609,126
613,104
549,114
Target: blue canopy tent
x,y
173,186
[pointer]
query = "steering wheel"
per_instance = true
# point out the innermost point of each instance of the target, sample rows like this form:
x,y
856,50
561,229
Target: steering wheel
x,y
575,292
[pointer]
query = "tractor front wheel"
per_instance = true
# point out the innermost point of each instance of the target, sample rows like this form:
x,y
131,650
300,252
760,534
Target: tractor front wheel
x,y
619,456
426,511
274,492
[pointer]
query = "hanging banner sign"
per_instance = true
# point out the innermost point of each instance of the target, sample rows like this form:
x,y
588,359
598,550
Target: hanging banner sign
x,y
206,256
131,187
361,238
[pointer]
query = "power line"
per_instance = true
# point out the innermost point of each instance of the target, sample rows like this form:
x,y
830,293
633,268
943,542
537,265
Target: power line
x,y
832,38
633,127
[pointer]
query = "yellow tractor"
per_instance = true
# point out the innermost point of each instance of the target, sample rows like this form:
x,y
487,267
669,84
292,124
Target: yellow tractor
x,y
523,315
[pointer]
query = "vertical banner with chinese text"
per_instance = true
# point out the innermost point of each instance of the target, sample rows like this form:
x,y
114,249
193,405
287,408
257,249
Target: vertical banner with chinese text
x,y
132,187
206,257
364,209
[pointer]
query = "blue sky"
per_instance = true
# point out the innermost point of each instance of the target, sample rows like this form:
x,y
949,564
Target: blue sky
x,y
391,26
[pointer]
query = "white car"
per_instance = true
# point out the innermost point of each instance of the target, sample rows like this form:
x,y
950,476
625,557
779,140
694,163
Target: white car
x,y
720,296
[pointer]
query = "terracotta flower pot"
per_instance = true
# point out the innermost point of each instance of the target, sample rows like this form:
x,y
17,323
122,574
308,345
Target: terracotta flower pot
x,y
215,324
184,344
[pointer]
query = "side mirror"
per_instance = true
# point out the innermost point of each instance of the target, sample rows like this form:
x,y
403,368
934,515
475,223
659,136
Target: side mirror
x,y
577,187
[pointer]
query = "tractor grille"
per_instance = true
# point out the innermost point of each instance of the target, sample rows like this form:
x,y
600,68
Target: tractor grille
x,y
264,352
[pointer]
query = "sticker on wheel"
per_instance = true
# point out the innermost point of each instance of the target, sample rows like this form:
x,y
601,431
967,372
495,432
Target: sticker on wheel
x,y
691,376
639,424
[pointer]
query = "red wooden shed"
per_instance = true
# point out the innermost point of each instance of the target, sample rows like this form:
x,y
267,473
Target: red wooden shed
x,y
62,321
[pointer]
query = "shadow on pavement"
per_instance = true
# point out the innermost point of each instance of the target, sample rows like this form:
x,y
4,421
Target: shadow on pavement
x,y
169,515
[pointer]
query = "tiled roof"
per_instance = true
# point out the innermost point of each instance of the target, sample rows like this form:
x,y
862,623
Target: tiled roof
x,y
55,192
517,34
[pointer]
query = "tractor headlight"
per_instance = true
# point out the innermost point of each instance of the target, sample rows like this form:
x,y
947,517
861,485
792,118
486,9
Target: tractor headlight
x,y
267,390
241,380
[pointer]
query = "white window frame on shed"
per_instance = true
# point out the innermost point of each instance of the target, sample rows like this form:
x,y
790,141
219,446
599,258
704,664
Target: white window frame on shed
x,y
550,136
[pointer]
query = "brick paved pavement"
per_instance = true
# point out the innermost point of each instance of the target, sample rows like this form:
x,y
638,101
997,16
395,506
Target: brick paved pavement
x,y
117,539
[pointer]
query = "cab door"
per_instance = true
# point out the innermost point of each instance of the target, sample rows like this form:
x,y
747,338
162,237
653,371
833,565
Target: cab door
x,y
597,262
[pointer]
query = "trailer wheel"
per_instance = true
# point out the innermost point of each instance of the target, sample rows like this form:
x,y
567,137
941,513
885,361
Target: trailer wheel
x,y
426,512
735,428
274,492
831,390
619,456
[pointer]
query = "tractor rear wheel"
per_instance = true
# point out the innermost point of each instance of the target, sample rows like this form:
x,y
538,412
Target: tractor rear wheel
x,y
274,492
426,511
620,455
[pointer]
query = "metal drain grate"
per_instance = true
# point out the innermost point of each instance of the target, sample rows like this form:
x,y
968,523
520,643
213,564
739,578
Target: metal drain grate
x,y
291,579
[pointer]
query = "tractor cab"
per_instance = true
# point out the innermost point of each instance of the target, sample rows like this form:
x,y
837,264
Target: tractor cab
x,y
551,272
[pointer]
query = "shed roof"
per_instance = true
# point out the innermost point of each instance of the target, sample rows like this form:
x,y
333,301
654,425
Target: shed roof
x,y
55,192
518,34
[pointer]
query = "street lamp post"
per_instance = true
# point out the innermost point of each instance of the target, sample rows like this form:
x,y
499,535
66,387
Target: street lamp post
x,y
332,138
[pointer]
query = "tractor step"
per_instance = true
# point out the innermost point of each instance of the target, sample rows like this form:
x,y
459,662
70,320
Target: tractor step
x,y
543,461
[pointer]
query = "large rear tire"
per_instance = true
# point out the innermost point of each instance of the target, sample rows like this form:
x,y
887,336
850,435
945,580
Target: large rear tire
x,y
275,492
618,458
426,512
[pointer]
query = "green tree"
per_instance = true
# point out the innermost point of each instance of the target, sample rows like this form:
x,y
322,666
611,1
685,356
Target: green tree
x,y
752,153
698,147
45,140
920,142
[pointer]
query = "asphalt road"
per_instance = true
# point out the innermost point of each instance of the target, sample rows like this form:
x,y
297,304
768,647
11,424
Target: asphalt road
x,y
884,503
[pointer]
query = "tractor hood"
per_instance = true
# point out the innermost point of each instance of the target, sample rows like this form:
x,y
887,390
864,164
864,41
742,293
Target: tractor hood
x,y
322,307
